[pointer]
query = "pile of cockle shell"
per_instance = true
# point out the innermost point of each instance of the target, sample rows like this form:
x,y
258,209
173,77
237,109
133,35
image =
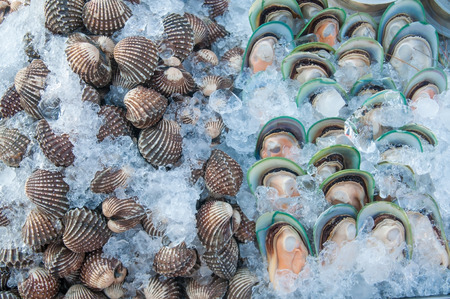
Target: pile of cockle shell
x,y
156,79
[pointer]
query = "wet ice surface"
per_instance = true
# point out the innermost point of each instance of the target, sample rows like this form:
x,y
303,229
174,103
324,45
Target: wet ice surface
x,y
358,270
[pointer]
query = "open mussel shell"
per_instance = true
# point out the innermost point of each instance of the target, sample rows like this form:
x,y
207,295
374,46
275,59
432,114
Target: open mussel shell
x,y
398,138
10,102
335,158
38,229
57,148
424,133
60,261
385,97
259,53
311,7
176,261
115,123
159,288
223,262
438,15
282,133
367,85
414,48
321,49
161,145
361,49
223,175
13,146
98,272
333,126
374,8
337,224
85,230
304,66
272,166
214,289
47,190
122,214
277,231
39,284
325,95
179,34
359,24
29,83
428,82
390,212
105,16
325,25
264,11
350,186
63,17
397,15
241,284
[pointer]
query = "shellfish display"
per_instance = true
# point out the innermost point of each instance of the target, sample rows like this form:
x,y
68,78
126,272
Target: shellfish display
x,y
176,149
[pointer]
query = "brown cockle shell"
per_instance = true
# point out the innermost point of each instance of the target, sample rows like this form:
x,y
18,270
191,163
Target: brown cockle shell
x,y
60,261
10,103
161,145
215,31
150,228
179,34
172,81
212,83
216,224
115,123
246,232
223,262
63,16
137,58
85,230
145,107
216,7
5,273
122,214
234,57
115,291
4,221
8,294
38,230
215,289
158,288
207,56
57,148
105,16
47,190
199,28
98,272
109,179
223,175
88,61
120,81
40,284
214,127
29,83
90,94
13,146
106,44
241,284
15,258
176,261
79,291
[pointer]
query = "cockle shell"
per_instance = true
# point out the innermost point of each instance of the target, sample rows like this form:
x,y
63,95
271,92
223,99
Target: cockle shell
x,y
223,175
90,94
4,221
8,294
105,16
234,58
115,291
10,103
246,232
63,16
176,261
29,83
60,261
98,272
207,56
145,107
150,228
4,277
215,31
241,284
40,284
13,146
120,81
88,61
115,123
179,34
57,148
47,190
161,145
122,214
216,7
106,44
158,288
173,81
109,179
212,83
15,258
198,26
85,230
215,289
223,262
214,127
38,230
216,224
137,58
79,291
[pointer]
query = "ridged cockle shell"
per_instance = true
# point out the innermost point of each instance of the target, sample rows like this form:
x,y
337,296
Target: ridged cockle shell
x,y
161,145
40,284
199,28
215,31
60,261
233,58
105,16
145,107
207,56
215,289
246,232
172,81
158,288
212,83
8,294
176,261
13,146
122,214
79,291
241,284
150,228
216,7
63,16
47,190
109,179
85,230
115,123
4,277
223,175
90,94
223,262
15,258
38,230
4,221
10,103
115,291
179,34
